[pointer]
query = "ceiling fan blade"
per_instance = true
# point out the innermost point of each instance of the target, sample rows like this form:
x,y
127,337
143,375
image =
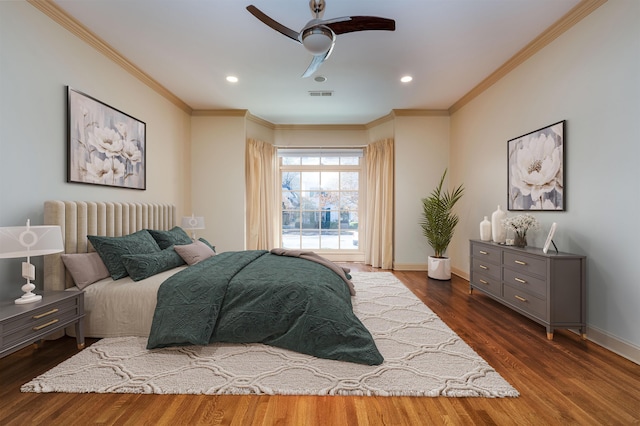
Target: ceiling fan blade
x,y
360,23
294,35
316,62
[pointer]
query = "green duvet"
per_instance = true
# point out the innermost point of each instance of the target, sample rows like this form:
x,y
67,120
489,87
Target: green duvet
x,y
258,297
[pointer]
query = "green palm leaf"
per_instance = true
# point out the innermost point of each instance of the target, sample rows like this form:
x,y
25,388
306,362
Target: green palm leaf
x,y
438,220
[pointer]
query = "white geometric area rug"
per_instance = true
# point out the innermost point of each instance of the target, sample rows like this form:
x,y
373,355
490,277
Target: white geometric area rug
x,y
423,357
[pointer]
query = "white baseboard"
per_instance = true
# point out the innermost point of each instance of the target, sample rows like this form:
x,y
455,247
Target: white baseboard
x,y
460,273
409,266
614,344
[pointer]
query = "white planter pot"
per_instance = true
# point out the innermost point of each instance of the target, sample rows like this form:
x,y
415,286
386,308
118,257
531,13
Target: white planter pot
x,y
439,268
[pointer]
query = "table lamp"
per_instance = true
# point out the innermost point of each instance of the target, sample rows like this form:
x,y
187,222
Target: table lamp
x,y
27,241
191,223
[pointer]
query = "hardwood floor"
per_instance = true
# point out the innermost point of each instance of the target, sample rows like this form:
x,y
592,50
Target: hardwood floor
x,y
564,381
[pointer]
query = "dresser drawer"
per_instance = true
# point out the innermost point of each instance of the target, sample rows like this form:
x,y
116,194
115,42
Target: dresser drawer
x,y
487,283
525,264
525,301
486,253
525,282
486,268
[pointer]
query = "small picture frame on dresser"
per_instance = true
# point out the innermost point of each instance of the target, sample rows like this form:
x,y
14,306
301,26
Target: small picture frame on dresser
x,y
547,243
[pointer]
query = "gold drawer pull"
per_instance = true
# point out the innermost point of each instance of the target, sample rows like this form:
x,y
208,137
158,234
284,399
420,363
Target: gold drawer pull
x,y
522,299
520,280
483,282
53,311
520,262
483,267
483,252
40,327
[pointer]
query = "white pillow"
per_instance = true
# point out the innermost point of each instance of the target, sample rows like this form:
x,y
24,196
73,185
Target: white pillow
x,y
194,253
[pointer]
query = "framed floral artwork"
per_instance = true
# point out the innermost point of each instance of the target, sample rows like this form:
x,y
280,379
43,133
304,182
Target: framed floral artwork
x,y
106,146
536,169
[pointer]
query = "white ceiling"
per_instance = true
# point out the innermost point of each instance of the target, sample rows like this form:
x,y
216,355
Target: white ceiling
x,y
190,46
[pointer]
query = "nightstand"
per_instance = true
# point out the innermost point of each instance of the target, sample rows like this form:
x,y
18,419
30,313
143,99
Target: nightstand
x,y
22,325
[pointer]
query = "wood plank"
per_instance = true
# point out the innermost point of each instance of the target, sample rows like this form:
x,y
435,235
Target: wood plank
x,y
564,381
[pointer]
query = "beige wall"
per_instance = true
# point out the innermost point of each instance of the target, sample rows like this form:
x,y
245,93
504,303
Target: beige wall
x,y
38,59
590,76
217,158
422,154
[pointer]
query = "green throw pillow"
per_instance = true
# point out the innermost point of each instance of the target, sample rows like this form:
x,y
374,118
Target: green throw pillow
x,y
141,266
212,247
175,236
111,249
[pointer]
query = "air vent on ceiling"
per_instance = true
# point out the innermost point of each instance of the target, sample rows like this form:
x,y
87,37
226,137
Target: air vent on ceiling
x,y
320,93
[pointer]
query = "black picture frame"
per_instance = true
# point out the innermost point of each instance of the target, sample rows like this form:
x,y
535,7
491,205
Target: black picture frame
x,y
535,170
105,145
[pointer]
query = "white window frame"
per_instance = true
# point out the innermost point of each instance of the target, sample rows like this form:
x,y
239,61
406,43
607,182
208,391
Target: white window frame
x,y
344,255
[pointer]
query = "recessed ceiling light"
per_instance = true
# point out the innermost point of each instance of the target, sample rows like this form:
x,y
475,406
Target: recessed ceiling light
x,y
232,79
406,79
320,79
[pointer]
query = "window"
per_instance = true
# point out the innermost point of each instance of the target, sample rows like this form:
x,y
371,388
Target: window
x,y
321,199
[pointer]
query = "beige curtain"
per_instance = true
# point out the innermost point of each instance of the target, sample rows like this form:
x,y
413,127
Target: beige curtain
x,y
378,250
262,214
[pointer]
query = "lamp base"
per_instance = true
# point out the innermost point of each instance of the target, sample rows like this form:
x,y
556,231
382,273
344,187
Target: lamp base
x,y
28,298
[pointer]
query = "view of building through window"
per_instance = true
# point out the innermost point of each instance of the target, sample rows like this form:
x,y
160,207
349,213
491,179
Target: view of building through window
x,y
320,199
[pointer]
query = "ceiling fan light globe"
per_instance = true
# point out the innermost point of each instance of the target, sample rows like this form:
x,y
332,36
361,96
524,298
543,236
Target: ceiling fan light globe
x,y
317,40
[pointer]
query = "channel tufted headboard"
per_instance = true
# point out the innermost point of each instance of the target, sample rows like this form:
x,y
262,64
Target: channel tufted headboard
x,y
81,218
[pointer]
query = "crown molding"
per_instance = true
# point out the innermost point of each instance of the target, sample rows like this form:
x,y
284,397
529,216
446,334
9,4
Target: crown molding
x,y
381,120
421,112
323,127
260,121
220,113
571,18
56,13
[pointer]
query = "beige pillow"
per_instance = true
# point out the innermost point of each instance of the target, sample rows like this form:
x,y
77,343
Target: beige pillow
x,y
85,268
194,253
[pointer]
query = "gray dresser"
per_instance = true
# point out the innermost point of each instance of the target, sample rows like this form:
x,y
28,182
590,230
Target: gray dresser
x,y
548,288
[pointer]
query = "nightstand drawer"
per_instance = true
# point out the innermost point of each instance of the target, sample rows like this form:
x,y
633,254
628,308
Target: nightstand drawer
x,y
525,282
486,253
41,315
526,302
39,325
486,268
525,264
24,324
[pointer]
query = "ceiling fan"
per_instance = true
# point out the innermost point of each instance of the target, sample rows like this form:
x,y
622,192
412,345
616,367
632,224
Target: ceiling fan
x,y
318,36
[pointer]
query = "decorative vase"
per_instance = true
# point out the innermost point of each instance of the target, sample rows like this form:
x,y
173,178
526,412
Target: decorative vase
x,y
520,239
498,232
485,230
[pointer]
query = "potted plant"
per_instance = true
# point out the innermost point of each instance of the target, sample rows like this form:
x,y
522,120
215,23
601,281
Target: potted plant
x,y
438,223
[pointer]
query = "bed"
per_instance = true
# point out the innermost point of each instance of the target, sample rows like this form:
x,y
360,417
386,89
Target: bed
x,y
191,296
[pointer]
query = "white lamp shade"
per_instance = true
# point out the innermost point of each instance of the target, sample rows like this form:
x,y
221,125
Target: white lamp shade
x,y
26,241
192,222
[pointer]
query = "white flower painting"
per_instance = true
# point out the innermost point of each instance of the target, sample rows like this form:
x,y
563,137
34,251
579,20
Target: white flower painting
x,y
536,169
106,146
